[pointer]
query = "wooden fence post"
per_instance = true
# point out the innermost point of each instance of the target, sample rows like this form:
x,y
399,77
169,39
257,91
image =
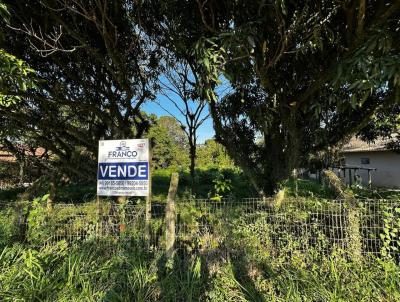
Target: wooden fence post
x,y
170,216
369,179
52,195
121,211
354,236
148,201
99,216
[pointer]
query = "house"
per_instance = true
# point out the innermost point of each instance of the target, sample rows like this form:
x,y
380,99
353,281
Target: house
x,y
371,162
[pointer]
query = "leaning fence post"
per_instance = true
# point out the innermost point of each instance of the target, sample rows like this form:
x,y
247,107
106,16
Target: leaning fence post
x,y
170,216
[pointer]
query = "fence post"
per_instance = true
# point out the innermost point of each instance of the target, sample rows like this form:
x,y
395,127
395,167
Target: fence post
x,y
369,179
148,200
170,216
99,216
354,236
121,211
353,231
52,195
295,181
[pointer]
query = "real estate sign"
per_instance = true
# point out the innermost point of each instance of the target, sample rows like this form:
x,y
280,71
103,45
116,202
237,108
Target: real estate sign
x,y
123,168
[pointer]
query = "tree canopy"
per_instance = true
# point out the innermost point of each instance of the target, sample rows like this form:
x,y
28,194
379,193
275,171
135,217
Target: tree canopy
x,y
305,74
169,144
96,68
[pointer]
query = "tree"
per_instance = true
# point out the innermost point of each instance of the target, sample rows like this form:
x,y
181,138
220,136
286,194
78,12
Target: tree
x,y
179,87
213,154
170,144
305,74
96,68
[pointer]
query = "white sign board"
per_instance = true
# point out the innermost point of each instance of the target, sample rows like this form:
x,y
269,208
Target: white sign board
x,y
123,168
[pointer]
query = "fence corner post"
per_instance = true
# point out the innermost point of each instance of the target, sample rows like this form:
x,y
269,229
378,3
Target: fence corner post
x,y
170,216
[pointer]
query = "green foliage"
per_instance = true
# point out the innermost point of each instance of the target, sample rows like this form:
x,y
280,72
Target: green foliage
x,y
61,273
303,76
8,226
4,13
205,182
169,144
93,80
391,232
16,77
225,287
222,187
213,155
225,254
309,188
38,220
97,273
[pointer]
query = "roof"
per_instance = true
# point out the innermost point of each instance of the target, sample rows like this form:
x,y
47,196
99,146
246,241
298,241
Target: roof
x,y
6,156
357,145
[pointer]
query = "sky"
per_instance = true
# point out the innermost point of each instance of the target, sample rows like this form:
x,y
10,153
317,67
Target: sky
x,y
205,131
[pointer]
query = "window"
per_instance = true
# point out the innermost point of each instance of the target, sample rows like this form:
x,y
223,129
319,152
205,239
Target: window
x,y
364,160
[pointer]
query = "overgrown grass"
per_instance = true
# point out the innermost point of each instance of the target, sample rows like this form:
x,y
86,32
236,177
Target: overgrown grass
x,y
204,183
308,188
235,260
98,271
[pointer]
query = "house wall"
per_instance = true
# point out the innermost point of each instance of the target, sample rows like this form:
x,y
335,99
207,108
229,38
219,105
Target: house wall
x,y
387,164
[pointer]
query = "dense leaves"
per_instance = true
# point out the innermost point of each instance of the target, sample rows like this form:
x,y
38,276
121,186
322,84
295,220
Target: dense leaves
x,y
305,75
96,68
15,75
169,144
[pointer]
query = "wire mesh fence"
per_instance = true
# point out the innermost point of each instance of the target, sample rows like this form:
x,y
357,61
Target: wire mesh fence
x,y
298,224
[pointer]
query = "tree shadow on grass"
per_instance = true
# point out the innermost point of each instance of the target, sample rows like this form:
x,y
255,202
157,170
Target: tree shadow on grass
x,y
182,278
241,271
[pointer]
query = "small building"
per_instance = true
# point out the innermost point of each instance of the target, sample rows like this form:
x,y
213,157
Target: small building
x,y
373,162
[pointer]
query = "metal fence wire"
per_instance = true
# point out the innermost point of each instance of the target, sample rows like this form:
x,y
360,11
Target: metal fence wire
x,y
298,224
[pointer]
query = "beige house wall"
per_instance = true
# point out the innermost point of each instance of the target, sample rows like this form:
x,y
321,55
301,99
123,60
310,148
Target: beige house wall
x,y
387,164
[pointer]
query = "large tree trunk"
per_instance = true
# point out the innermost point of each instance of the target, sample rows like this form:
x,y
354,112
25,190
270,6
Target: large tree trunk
x,y
267,164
